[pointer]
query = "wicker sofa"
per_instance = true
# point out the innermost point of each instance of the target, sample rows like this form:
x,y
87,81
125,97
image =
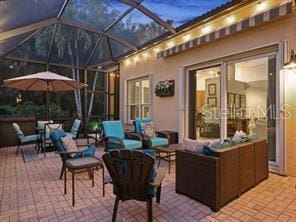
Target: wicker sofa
x,y
217,179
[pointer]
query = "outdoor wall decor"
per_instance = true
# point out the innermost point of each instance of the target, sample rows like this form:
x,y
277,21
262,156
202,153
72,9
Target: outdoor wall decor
x,y
165,88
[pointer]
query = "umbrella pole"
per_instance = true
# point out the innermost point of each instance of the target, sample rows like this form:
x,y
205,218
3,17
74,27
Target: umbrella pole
x,y
47,103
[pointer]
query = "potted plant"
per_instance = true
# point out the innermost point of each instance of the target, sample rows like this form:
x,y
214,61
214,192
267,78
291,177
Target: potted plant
x,y
164,88
95,126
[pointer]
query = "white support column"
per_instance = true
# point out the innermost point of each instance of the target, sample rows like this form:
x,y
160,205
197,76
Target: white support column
x,y
181,100
223,99
125,103
151,89
281,149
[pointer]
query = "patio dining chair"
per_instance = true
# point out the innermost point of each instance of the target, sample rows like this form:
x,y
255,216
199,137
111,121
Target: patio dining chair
x,y
48,129
160,138
134,177
74,130
56,138
22,139
115,138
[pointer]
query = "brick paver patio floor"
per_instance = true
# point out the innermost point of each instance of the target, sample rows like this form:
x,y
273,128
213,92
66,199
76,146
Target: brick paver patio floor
x,y
33,192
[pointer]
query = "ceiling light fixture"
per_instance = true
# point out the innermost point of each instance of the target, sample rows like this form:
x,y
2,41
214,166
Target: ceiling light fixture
x,y
157,50
206,29
127,62
261,6
230,19
170,44
186,37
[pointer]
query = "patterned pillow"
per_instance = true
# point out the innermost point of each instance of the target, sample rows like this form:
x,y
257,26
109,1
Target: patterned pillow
x,y
147,129
194,145
69,144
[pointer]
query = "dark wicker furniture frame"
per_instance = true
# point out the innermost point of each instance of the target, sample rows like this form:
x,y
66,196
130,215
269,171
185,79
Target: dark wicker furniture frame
x,y
216,180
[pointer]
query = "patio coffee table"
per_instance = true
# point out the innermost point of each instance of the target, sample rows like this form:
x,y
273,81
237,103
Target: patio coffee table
x,y
79,165
169,150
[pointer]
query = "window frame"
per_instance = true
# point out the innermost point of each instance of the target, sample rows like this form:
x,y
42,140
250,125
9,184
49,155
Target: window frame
x,y
139,104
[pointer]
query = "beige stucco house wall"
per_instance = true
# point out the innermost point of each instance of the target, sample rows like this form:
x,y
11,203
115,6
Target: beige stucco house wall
x,y
165,110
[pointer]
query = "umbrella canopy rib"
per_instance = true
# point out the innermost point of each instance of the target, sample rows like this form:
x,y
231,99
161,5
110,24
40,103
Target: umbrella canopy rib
x,y
68,83
32,84
52,85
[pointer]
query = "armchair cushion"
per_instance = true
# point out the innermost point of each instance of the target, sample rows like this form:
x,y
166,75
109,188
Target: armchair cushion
x,y
75,127
41,123
138,124
113,128
69,144
89,151
19,133
55,137
30,138
71,134
50,127
132,144
158,141
147,129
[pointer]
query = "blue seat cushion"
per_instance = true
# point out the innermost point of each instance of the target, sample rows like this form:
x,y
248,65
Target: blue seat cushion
x,y
113,128
158,141
89,151
132,144
31,138
138,122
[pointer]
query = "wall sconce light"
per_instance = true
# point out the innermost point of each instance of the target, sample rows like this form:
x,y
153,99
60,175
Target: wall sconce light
x,y
291,64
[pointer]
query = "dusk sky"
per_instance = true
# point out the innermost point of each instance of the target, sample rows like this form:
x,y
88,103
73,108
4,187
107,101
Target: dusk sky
x,y
181,11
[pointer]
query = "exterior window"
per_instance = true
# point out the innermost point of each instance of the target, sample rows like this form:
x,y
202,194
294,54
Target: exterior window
x,y
138,99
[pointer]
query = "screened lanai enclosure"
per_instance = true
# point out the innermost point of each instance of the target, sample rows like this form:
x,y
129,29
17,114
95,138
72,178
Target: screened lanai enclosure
x,y
84,40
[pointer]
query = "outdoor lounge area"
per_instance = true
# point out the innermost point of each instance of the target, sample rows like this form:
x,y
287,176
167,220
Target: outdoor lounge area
x,y
33,192
147,110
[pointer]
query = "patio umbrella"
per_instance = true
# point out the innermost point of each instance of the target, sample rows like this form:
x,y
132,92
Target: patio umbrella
x,y
44,81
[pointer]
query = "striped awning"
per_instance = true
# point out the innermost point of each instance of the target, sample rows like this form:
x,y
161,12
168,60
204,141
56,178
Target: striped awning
x,y
241,26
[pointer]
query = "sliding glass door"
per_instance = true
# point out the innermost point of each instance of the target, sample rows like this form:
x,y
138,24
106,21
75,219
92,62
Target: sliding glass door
x,y
204,103
242,95
251,99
